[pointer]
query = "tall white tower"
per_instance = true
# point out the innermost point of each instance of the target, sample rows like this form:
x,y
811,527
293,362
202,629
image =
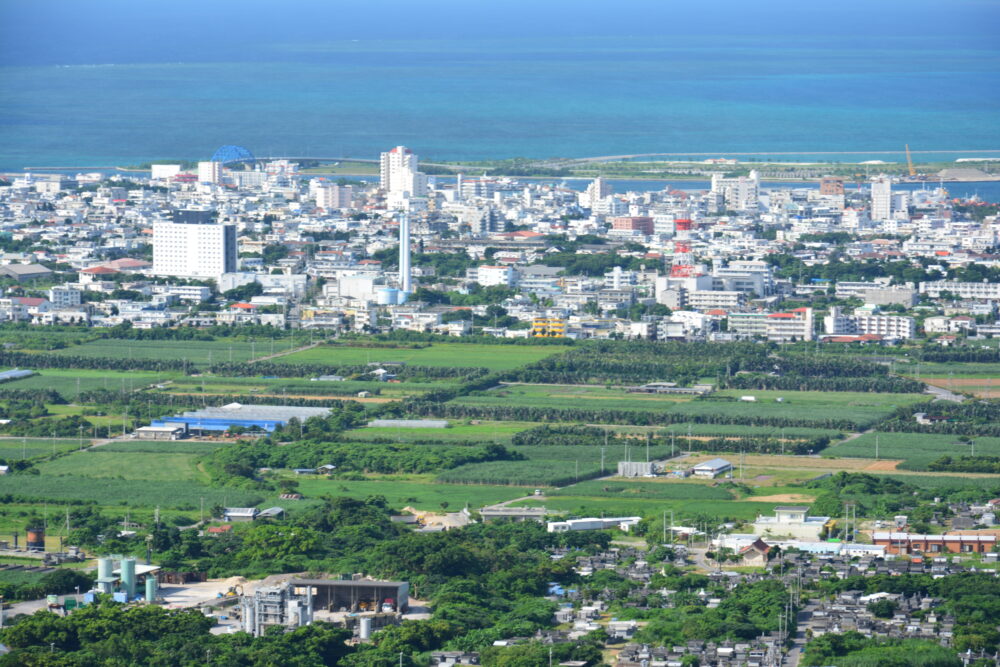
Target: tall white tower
x,y
881,199
404,254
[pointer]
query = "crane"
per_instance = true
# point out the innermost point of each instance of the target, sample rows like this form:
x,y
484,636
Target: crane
x,y
909,162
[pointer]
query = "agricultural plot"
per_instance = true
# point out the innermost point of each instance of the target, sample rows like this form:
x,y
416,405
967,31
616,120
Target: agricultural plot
x,y
108,491
98,464
645,490
493,357
199,353
70,382
422,494
916,450
684,510
723,430
860,408
161,446
989,484
216,384
485,432
550,465
16,449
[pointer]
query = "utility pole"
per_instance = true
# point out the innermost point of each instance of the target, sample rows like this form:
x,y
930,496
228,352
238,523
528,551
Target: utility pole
x,y
876,446
602,460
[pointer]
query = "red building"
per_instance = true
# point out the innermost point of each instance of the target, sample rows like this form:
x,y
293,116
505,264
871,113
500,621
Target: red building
x,y
913,543
633,223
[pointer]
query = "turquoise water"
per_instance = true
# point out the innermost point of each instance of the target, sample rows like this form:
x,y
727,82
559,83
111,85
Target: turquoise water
x,y
107,95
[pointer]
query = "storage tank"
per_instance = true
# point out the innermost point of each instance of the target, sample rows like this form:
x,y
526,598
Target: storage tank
x,y
150,588
105,567
387,296
128,576
365,629
36,539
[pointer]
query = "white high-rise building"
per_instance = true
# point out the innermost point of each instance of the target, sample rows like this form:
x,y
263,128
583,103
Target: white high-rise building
x,y
189,250
741,193
596,191
332,196
398,174
881,199
209,172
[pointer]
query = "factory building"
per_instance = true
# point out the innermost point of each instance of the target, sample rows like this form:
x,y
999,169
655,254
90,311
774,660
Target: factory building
x,y
251,417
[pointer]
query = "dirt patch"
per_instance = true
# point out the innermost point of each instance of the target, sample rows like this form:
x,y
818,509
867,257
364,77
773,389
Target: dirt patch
x,y
782,498
763,478
882,466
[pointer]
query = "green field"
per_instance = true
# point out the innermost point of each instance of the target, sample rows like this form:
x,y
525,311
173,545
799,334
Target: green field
x,y
991,484
494,357
142,465
423,494
651,490
15,449
161,446
108,491
915,449
201,353
486,431
684,510
68,382
216,384
965,369
721,430
860,408
550,465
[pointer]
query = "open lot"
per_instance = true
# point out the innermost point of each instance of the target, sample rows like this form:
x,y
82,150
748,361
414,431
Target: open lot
x,y
494,357
915,450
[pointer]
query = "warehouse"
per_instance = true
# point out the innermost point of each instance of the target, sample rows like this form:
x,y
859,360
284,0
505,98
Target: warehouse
x,y
250,417
355,595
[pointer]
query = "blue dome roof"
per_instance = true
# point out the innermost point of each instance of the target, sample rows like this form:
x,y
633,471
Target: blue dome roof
x,y
229,154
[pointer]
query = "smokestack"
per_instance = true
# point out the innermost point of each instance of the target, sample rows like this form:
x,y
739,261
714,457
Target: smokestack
x,y
404,254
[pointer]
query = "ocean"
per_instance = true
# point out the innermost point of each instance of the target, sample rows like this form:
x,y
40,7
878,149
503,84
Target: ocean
x,y
103,83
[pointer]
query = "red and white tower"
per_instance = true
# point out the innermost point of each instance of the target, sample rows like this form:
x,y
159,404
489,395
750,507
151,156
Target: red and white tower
x,y
683,262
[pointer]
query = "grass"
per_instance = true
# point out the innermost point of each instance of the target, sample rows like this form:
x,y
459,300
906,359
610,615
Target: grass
x,y
860,408
991,484
485,431
99,464
161,446
69,382
915,449
683,429
494,357
199,353
422,493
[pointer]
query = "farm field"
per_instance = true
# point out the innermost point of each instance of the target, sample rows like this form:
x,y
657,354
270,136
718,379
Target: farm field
x,y
16,449
714,430
69,381
217,384
860,408
645,490
200,353
420,493
108,491
684,510
493,357
991,484
486,431
965,369
549,465
915,450
134,465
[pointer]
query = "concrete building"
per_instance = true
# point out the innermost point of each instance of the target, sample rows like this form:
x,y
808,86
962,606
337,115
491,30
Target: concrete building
x,y
741,193
791,521
210,172
637,225
891,327
881,203
912,543
398,174
636,468
193,250
712,468
488,276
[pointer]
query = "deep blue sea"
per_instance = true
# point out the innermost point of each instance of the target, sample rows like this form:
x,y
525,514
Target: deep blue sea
x,y
106,82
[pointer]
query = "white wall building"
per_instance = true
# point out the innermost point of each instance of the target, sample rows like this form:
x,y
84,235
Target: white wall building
x,y
193,250
209,172
488,276
881,199
398,174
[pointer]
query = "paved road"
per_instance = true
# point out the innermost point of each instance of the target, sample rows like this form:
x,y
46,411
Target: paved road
x,y
941,394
